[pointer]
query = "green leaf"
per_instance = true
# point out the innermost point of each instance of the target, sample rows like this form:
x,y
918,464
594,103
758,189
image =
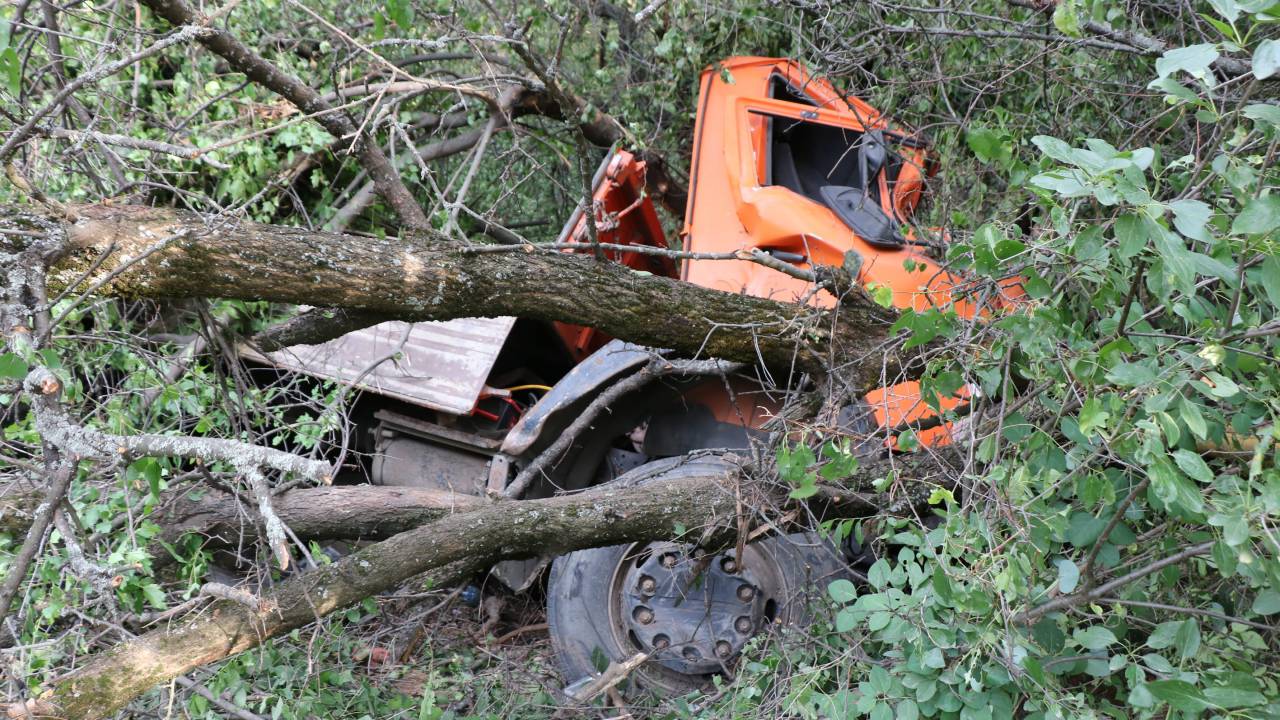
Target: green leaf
x,y
847,619
842,591
1132,235
1266,59
806,489
1235,531
1269,114
794,462
1066,18
941,494
1190,218
1083,529
1269,274
1226,8
400,13
880,680
924,326
1181,695
1164,635
878,574
12,366
1193,465
1092,417
154,595
840,462
882,295
942,584
1260,215
12,68
1131,374
149,470
1140,696
1194,60
1068,575
1054,148
1223,386
1172,488
1191,415
986,144
1094,637
1267,603
1233,697
1187,640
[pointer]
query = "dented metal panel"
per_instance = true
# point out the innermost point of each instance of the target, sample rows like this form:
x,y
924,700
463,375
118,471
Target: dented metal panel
x,y
440,365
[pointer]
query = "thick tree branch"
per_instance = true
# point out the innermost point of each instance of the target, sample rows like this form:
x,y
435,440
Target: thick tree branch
x,y
423,277
360,512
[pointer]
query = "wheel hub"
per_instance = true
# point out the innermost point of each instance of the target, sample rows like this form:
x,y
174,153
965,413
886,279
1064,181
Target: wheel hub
x,y
691,614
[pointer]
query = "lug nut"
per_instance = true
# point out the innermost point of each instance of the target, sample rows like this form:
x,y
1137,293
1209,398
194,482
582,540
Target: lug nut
x,y
742,624
729,565
648,585
746,592
723,649
661,642
691,653
643,615
669,560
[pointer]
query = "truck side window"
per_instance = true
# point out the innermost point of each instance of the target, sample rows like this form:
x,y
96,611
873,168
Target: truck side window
x,y
804,156
839,168
781,89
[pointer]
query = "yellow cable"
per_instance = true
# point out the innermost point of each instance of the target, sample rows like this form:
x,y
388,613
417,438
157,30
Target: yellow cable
x,y
518,388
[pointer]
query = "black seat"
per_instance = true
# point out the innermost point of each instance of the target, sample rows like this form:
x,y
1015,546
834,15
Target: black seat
x,y
862,213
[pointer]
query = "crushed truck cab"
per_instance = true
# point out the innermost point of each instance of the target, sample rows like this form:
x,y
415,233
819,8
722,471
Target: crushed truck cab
x,y
783,164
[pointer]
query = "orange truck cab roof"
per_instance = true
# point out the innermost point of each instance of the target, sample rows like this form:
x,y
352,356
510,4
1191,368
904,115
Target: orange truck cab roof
x,y
774,148
786,164
780,158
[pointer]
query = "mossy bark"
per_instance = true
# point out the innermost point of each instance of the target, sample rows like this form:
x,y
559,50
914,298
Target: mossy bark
x,y
425,277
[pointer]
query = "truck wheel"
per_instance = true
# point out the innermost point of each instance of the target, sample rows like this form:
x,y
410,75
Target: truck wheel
x,y
692,614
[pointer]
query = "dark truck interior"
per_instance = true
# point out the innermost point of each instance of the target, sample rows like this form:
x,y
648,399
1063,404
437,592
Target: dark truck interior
x,y
836,167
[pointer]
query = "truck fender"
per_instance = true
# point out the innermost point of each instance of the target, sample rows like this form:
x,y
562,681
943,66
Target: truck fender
x,y
542,423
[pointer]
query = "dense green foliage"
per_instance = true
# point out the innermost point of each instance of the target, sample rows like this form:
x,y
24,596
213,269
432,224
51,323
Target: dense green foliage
x,y
1134,399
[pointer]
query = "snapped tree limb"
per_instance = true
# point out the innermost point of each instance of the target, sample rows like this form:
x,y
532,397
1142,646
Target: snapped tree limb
x,y
424,277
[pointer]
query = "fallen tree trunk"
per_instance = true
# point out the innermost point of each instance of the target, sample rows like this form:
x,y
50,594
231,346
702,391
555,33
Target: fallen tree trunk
x,y
140,252
708,502
354,512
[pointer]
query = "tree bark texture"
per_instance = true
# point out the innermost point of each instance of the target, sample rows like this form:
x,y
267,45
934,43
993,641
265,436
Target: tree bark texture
x,y
354,512
155,253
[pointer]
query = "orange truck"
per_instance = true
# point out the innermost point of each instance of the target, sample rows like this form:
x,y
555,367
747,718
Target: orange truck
x,y
783,163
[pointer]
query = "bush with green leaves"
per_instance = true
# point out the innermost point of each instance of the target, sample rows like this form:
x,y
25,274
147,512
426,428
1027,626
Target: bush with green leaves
x,y
1115,550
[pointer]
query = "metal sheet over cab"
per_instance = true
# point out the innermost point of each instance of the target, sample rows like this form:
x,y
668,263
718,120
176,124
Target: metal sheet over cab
x,y
440,365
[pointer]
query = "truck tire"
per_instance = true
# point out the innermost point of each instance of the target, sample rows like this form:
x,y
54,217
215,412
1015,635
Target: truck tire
x,y
599,611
